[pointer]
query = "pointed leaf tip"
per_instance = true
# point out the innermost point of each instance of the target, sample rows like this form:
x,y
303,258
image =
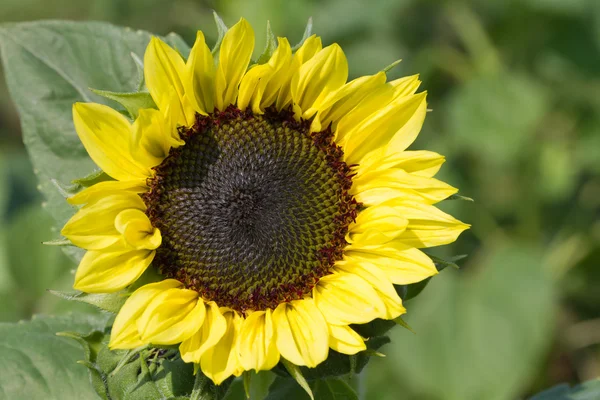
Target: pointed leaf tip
x,y
296,373
270,46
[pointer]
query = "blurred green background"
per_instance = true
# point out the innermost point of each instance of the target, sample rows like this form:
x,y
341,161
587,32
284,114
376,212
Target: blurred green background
x,y
515,91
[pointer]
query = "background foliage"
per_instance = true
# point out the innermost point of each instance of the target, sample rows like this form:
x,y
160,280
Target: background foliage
x,y
514,91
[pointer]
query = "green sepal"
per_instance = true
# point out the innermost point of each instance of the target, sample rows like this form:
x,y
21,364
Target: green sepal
x,y
247,379
58,242
459,197
306,35
205,389
221,31
402,323
110,302
441,264
96,176
377,327
391,66
296,373
133,101
64,190
270,46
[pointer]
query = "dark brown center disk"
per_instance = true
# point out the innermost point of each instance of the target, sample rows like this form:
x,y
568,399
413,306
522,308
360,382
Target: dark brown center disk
x,y
253,210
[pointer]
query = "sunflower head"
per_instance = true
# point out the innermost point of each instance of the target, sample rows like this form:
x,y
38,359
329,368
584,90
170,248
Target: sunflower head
x,y
276,199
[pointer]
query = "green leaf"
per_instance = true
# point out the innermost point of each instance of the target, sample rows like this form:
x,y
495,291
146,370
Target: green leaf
x,y
499,140
338,364
141,85
589,390
494,321
333,389
286,388
33,266
323,389
37,364
111,302
178,44
50,65
132,102
91,344
271,45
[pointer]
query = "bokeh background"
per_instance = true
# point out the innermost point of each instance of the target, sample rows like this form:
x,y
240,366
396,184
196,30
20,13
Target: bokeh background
x,y
514,88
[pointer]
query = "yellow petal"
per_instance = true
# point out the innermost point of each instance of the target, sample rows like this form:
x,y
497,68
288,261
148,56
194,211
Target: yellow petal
x,y
93,226
106,135
428,226
347,299
253,86
338,103
420,162
401,263
280,61
212,330
107,188
373,187
200,80
309,48
220,361
152,138
375,225
137,230
344,340
405,86
302,333
374,101
164,71
396,125
257,346
171,317
234,56
107,272
326,72
379,281
124,333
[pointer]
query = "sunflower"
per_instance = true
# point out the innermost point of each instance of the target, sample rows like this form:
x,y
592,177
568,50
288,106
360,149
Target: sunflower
x,y
277,201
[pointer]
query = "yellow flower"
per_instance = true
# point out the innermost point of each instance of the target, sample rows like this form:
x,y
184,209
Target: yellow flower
x,y
278,201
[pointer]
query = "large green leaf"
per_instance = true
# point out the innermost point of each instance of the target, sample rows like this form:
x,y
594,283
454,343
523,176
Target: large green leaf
x,y
478,336
50,65
37,364
323,389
